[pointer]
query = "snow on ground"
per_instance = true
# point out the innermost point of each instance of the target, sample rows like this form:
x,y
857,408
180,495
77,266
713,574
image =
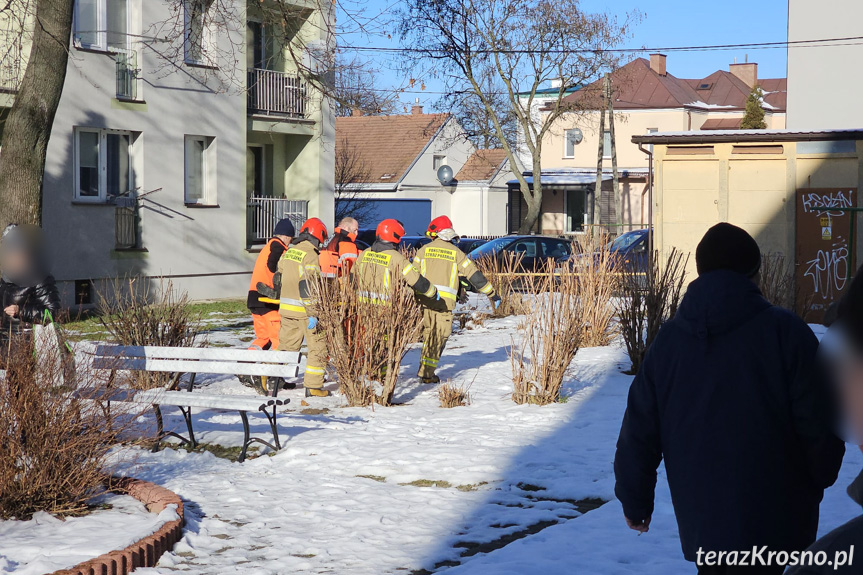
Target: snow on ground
x,y
46,544
394,490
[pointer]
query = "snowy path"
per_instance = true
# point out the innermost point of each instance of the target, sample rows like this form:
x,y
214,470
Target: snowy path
x,y
339,498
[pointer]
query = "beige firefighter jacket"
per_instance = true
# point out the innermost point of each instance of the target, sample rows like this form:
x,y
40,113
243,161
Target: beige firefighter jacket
x,y
298,266
443,264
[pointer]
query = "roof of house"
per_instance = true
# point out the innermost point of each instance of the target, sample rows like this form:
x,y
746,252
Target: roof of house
x,y
482,165
638,86
726,136
387,146
722,124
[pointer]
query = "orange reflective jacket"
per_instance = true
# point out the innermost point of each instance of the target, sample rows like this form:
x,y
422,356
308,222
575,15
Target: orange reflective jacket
x,y
340,255
263,271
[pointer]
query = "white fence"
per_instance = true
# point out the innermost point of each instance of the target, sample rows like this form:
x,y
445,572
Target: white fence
x,y
277,93
264,213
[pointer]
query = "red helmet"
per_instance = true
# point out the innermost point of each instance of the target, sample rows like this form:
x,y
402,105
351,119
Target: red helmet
x,y
438,224
316,228
390,231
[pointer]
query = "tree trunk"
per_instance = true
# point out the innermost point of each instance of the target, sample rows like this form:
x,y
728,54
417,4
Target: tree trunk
x,y
597,193
615,180
28,126
533,199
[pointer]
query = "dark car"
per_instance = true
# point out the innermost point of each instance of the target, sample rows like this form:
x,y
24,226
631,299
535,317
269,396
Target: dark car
x,y
467,245
631,250
367,236
534,250
413,243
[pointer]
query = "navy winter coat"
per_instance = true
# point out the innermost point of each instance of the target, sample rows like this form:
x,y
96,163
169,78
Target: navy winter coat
x,y
730,395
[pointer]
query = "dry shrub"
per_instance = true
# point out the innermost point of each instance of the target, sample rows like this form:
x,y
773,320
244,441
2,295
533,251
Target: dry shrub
x,y
503,272
54,446
595,269
136,315
776,280
649,299
367,341
548,339
452,395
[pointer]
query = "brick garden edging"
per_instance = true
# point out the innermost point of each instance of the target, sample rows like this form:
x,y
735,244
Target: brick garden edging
x,y
147,551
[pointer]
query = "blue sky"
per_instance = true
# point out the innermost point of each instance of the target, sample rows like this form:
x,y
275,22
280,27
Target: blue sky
x,y
664,23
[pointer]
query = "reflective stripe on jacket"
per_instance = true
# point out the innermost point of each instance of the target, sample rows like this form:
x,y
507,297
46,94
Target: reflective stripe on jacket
x,y
263,274
377,267
298,265
443,263
339,256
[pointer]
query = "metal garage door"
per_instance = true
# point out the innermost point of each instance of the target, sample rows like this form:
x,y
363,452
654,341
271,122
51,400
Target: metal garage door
x,y
414,214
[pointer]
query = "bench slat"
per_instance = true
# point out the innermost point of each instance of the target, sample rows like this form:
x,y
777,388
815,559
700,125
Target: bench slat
x,y
198,353
188,366
224,402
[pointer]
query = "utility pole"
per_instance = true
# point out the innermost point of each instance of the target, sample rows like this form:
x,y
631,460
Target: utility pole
x,y
615,185
597,193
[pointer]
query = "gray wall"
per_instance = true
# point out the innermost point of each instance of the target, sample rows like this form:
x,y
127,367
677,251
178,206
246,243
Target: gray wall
x,y
824,86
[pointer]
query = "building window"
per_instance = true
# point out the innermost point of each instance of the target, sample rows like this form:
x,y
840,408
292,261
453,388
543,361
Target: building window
x,y
438,161
102,24
572,139
195,30
103,164
200,176
606,144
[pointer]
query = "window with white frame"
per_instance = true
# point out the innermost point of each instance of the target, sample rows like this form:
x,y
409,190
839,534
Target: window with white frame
x,y
438,161
103,164
102,24
196,36
200,188
606,144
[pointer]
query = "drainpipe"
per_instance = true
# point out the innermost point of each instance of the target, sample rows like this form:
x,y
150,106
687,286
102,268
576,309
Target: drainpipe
x,y
649,192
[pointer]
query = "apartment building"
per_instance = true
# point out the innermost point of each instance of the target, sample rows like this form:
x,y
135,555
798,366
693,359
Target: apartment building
x,y
185,130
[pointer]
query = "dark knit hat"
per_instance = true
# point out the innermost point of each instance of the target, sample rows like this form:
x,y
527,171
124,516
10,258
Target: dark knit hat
x,y
727,247
284,228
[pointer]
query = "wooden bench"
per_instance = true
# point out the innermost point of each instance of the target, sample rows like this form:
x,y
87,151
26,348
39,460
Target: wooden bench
x,y
192,361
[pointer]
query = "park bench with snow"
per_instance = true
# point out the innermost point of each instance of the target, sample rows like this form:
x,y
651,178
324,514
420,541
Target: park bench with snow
x,y
177,361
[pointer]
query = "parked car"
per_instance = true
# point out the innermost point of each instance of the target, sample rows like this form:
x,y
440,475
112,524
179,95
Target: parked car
x,y
534,250
628,250
413,243
467,245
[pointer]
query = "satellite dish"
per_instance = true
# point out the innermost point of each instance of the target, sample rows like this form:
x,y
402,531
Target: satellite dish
x,y
575,136
445,175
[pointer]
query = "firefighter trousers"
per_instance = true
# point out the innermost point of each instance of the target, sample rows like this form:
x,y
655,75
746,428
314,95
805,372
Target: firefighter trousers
x,y
437,327
267,327
293,332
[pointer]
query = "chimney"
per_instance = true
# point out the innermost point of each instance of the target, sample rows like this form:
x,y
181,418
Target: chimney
x,y
657,64
748,72
417,109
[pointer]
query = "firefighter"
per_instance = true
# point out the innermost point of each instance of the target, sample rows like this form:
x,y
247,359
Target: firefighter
x,y
383,261
443,263
265,311
298,265
341,253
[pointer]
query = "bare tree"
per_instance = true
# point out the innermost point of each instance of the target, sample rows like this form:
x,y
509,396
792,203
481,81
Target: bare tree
x,y
358,90
474,117
524,45
351,172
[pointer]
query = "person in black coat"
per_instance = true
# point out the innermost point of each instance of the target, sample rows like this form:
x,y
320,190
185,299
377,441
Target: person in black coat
x,y
731,396
843,349
27,290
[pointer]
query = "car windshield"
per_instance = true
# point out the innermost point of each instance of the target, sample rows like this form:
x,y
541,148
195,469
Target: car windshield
x,y
490,248
626,241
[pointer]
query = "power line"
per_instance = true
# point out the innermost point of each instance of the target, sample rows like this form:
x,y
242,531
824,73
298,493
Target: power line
x,y
820,43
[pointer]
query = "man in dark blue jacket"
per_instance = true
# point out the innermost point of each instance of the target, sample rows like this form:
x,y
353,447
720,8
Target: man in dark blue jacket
x,y
730,395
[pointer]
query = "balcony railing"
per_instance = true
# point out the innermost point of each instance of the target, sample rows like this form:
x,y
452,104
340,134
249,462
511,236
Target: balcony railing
x,y
127,75
264,213
276,93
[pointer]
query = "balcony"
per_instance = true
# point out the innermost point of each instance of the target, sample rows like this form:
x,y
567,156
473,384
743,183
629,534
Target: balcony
x,y
264,213
276,94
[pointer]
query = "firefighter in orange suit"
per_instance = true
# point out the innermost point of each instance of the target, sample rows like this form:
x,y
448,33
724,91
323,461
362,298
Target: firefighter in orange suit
x,y
383,261
299,265
341,253
265,311
443,263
